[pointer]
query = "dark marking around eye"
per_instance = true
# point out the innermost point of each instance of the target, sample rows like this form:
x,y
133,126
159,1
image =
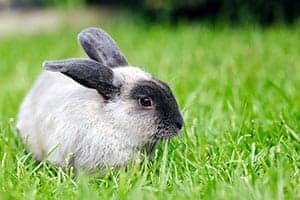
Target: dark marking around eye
x,y
163,99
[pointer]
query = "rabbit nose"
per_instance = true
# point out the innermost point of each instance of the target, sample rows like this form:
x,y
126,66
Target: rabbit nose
x,y
179,125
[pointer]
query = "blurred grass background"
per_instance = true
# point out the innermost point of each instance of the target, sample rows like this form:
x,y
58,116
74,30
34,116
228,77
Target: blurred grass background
x,y
231,11
238,87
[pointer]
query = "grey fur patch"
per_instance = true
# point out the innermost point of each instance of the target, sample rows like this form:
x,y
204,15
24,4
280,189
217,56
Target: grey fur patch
x,y
88,73
169,119
99,46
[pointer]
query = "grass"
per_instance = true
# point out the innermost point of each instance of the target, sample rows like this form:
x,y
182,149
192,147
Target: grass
x,y
239,90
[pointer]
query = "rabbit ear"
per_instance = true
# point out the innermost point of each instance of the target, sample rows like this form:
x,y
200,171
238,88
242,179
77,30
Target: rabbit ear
x,y
88,73
99,46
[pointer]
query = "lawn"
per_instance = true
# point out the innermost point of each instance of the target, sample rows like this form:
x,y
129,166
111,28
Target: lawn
x,y
238,89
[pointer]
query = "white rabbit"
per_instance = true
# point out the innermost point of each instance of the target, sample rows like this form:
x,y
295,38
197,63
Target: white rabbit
x,y
98,111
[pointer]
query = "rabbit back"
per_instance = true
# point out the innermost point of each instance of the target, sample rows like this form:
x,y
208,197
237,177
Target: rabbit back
x,y
63,119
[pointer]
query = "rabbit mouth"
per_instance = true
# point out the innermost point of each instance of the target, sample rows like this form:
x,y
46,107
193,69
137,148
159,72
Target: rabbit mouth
x,y
166,133
156,139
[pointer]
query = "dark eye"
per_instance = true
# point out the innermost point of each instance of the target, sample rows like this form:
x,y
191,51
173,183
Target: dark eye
x,y
145,101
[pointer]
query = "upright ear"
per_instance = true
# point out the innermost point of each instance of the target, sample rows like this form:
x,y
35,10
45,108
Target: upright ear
x,y
88,73
99,46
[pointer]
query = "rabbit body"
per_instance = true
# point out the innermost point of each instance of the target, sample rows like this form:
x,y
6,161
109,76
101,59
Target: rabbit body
x,y
68,118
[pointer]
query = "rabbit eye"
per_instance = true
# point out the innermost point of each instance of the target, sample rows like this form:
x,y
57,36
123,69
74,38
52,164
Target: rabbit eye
x,y
145,101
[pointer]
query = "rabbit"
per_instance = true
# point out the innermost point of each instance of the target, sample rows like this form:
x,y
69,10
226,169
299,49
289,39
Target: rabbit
x,y
97,111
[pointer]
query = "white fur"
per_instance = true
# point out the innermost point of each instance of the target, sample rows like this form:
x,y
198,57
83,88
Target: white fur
x,y
60,117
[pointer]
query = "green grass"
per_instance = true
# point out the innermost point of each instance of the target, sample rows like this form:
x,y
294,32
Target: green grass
x,y
238,88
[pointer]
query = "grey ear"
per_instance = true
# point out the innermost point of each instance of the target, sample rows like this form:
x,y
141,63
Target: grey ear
x,y
99,46
88,73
